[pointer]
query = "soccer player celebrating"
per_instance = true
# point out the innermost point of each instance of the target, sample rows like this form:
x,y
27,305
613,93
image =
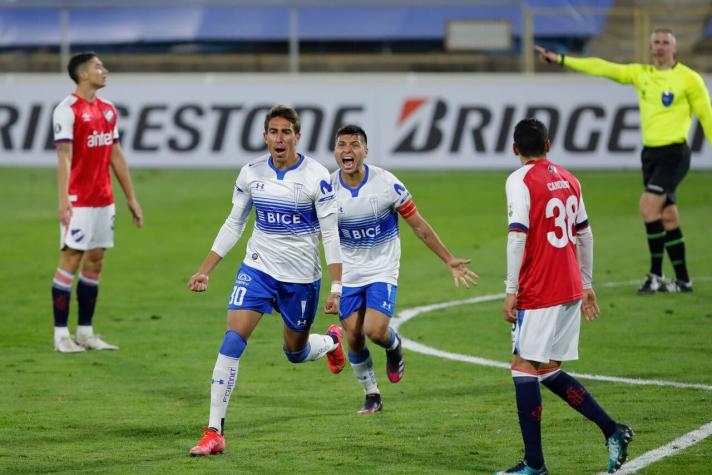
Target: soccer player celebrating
x,y
294,203
668,93
87,144
370,200
549,268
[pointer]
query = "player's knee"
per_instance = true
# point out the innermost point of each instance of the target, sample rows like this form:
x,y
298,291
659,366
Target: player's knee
x,y
70,259
94,265
297,356
377,333
233,344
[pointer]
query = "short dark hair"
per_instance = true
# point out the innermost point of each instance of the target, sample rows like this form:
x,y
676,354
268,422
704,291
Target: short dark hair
x,y
77,61
352,129
286,113
530,137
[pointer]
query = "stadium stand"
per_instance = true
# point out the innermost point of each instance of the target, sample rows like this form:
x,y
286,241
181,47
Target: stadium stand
x,y
388,36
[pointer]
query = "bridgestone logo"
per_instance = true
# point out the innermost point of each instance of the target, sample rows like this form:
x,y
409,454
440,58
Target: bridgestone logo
x,y
99,140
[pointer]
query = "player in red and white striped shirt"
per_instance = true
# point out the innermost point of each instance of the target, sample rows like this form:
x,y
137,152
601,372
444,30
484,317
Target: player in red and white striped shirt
x,y
86,137
549,268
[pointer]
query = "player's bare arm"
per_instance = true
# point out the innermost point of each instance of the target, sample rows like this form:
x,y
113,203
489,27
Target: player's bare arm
x,y
121,170
199,281
64,165
546,56
457,266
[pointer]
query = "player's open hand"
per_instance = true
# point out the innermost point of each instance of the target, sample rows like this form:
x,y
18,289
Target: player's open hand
x,y
546,56
136,212
332,304
509,308
199,282
461,274
589,306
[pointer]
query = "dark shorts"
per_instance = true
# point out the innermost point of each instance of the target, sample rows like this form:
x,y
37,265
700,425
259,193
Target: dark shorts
x,y
664,168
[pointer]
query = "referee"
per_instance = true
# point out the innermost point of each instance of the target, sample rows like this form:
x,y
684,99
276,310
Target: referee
x,y
668,93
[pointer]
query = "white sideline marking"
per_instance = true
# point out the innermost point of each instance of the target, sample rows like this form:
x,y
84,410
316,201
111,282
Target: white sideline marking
x,y
681,443
631,466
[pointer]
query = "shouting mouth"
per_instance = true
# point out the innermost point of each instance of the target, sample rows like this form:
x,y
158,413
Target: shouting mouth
x,y
348,162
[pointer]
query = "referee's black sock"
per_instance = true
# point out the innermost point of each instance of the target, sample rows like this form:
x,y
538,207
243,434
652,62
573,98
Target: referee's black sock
x,y
675,245
656,244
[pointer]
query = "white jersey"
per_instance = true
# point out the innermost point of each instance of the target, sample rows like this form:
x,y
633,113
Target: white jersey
x,y
288,205
368,227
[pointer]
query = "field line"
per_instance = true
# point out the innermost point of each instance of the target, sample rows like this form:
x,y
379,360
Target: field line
x,y
631,466
681,443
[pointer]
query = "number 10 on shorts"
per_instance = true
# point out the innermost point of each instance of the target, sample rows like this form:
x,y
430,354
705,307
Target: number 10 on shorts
x,y
238,294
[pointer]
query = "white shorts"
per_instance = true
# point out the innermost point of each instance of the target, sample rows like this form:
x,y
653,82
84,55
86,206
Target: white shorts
x,y
89,228
546,334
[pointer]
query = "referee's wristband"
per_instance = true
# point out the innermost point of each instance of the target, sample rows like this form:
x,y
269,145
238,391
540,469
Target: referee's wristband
x,y
561,59
336,288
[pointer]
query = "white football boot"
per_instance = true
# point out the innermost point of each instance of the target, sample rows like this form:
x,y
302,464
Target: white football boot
x,y
65,344
95,343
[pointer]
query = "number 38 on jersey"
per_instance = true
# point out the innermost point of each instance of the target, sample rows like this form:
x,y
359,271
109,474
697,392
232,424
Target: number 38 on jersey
x,y
564,215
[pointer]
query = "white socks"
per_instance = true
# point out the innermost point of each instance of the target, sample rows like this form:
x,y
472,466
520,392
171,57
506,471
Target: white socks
x,y
319,346
60,332
221,387
84,332
365,375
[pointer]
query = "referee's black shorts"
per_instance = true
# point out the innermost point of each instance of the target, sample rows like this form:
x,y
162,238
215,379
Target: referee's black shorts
x,y
664,168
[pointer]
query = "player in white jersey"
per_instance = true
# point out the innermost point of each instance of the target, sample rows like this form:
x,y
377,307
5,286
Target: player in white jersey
x,y
294,204
370,200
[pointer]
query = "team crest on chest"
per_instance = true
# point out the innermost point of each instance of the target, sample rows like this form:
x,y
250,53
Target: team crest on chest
x,y
667,97
108,115
297,193
374,205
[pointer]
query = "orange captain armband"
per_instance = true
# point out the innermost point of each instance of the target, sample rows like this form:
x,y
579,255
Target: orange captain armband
x,y
407,209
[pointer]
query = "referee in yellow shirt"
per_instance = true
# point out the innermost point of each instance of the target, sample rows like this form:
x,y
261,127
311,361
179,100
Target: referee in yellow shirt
x,y
668,94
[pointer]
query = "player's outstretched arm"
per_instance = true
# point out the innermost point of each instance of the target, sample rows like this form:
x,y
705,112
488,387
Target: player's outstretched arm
x,y
457,267
64,165
621,73
199,281
121,170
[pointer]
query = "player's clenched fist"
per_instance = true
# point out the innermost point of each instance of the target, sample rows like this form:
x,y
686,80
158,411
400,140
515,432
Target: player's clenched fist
x,y
198,283
332,304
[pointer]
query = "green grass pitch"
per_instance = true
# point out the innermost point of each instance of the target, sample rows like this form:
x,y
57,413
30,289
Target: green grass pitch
x,y
140,409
